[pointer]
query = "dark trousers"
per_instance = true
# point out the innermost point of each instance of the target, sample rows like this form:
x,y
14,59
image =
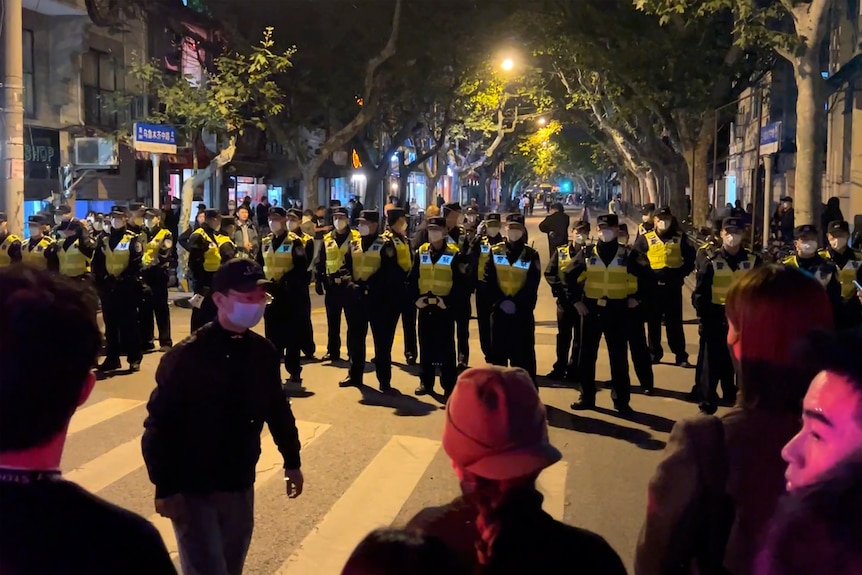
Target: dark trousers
x,y
462,328
610,322
361,315
641,357
568,339
282,326
408,328
437,347
513,340
334,301
120,314
717,366
307,346
214,531
483,319
154,303
667,306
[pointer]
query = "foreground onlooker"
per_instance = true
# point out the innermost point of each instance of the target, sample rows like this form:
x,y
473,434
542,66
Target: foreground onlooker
x,y
496,435
399,552
48,525
713,494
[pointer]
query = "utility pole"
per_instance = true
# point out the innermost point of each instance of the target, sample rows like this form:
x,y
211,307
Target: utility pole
x,y
12,126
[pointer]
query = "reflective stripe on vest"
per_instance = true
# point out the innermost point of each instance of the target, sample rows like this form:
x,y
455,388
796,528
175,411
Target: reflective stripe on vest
x,y
5,260
335,253
723,277
663,254
484,256
152,247
402,251
212,257
36,256
610,282
435,278
73,262
278,262
823,277
846,275
564,258
366,263
117,260
510,277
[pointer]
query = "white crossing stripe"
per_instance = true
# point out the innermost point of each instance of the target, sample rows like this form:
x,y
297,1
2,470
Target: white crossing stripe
x,y
552,484
99,412
373,500
271,463
109,467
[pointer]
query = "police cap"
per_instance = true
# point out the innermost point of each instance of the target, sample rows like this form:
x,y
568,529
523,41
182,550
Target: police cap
x,y
732,224
211,213
471,211
228,221
436,222
37,219
493,217
153,213
515,219
663,212
368,216
647,209
295,213
64,209
238,274
608,220
837,227
335,204
278,212
451,207
581,226
119,211
136,206
339,211
787,199
395,214
806,229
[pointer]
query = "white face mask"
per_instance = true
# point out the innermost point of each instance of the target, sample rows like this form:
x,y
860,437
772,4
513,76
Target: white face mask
x,y
292,225
470,219
150,224
435,236
663,225
35,231
246,315
340,224
98,226
117,223
275,226
364,230
608,236
732,240
91,219
58,219
580,239
514,234
493,230
838,243
808,248
646,219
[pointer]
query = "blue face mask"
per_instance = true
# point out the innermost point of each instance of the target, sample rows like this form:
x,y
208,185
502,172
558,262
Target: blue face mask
x,y
246,315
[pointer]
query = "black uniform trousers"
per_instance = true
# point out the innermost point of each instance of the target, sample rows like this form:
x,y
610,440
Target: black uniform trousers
x,y
437,347
282,327
717,366
154,303
667,305
361,313
120,313
483,319
637,339
513,340
334,301
568,339
408,327
307,346
610,321
462,328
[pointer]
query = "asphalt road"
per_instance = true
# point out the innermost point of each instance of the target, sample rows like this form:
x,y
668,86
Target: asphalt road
x,y
371,460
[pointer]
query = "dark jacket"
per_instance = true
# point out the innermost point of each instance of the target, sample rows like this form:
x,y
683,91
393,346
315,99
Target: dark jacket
x,y
557,227
208,410
530,540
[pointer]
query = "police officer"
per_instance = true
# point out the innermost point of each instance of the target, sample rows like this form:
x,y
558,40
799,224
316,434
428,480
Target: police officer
x,y
99,225
40,251
805,242
568,319
137,216
117,268
373,270
603,286
671,257
74,250
708,299
436,285
397,219
848,261
10,244
636,329
332,274
488,235
60,215
457,236
207,250
155,274
647,216
512,279
307,345
471,225
285,263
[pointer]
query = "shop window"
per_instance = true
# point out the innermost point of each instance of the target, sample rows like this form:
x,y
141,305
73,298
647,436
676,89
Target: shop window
x,y
29,75
99,78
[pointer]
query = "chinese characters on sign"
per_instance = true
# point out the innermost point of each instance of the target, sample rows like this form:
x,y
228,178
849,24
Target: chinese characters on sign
x,y
155,138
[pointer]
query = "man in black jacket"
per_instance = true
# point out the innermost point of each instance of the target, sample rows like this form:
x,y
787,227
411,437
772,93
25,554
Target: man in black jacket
x,y
201,440
556,225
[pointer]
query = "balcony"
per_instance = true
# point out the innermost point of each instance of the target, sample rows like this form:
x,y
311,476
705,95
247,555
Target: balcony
x,y
56,7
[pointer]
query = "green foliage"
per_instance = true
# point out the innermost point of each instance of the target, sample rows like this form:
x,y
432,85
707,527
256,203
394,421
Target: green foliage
x,y
542,151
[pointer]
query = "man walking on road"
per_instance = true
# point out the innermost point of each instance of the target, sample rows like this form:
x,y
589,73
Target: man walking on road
x,y
201,440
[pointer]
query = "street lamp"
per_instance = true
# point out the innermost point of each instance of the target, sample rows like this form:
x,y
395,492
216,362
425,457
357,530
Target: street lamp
x,y
507,64
542,121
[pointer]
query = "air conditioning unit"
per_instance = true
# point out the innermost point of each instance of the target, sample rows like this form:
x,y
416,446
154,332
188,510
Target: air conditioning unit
x,y
96,153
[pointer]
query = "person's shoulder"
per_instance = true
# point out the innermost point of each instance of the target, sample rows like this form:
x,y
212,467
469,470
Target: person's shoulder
x,y
433,519
262,345
594,553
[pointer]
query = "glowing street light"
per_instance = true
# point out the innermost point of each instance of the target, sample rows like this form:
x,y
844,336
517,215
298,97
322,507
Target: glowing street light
x,y
507,64
542,121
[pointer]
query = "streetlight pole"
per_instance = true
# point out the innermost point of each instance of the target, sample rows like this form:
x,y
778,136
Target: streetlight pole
x,y
12,126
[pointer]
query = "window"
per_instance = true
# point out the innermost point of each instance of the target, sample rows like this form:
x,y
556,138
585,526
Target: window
x,y
29,75
99,77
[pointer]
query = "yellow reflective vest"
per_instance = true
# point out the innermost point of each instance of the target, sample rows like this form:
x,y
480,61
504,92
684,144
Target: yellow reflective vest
x,y
484,256
117,260
277,262
154,246
366,263
34,254
663,254
212,257
511,277
564,258
823,277
436,278
403,254
847,274
335,253
608,281
5,260
723,276
73,262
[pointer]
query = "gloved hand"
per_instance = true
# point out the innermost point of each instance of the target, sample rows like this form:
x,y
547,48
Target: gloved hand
x,y
508,307
440,303
422,303
318,288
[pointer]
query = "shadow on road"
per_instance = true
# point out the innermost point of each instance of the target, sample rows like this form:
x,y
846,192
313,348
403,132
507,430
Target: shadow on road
x,y
577,422
404,405
670,393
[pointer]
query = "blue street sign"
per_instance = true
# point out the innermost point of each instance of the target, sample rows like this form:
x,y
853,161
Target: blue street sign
x,y
155,138
770,138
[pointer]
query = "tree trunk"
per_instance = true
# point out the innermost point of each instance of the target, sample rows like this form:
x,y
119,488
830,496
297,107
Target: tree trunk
x,y
648,178
697,152
372,185
809,142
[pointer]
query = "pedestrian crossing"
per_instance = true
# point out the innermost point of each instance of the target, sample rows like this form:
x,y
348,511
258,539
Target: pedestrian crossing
x,y
373,498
